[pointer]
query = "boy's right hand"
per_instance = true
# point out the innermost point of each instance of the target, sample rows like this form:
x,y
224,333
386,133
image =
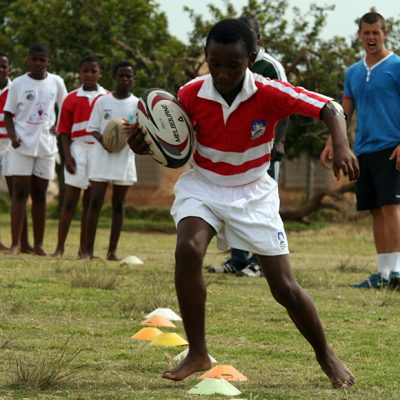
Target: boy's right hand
x,y
136,138
16,142
70,164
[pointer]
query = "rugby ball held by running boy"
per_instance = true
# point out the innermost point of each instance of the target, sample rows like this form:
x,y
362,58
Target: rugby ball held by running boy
x,y
169,131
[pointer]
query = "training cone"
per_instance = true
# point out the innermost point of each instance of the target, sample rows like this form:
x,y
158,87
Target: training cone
x,y
226,372
184,353
214,386
159,320
147,334
165,312
131,260
169,339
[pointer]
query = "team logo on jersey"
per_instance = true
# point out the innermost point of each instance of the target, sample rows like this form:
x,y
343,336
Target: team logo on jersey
x,y
39,116
107,114
29,95
281,240
257,128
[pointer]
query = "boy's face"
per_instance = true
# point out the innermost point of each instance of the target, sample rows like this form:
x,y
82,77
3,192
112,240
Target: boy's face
x,y
90,73
227,64
38,63
4,69
373,37
124,77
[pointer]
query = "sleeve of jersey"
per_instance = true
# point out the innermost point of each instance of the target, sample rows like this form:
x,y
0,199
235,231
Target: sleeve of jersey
x,y
284,100
184,97
65,120
347,88
11,102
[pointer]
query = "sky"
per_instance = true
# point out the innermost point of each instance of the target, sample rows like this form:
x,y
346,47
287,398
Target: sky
x,y
340,21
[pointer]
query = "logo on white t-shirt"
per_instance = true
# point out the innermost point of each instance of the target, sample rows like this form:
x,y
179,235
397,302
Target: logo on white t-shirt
x,y
40,115
107,114
257,128
29,95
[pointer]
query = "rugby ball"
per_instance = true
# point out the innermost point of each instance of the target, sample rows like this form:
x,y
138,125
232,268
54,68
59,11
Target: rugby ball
x,y
114,136
169,131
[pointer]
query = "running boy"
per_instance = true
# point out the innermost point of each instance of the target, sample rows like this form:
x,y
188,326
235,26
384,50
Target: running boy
x,y
31,101
228,192
115,168
77,145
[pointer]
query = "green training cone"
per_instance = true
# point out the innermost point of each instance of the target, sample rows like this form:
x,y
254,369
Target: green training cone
x,y
214,386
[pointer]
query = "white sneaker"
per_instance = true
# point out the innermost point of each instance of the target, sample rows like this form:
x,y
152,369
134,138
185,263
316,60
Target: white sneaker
x,y
252,270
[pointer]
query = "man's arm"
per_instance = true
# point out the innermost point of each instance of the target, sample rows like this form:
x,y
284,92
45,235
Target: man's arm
x,y
342,157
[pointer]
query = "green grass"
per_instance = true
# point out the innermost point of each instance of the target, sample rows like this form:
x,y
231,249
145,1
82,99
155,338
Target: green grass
x,y
95,308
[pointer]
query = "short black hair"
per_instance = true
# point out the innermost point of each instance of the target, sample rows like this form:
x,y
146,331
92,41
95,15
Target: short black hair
x,y
372,18
232,30
4,55
89,59
251,22
39,48
122,64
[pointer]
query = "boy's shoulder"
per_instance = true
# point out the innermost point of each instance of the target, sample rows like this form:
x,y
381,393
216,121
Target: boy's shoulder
x,y
194,84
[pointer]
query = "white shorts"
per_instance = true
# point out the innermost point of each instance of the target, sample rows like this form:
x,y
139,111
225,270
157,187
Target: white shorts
x,y
81,152
243,217
5,145
113,181
24,165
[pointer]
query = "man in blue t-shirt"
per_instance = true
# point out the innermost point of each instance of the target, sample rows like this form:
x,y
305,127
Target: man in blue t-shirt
x,y
372,89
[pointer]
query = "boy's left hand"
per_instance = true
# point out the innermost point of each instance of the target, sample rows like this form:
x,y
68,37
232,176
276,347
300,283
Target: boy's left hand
x,y
136,138
344,160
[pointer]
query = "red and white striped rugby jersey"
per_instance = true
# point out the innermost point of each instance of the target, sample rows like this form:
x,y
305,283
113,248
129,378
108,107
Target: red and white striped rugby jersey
x,y
75,113
3,98
233,143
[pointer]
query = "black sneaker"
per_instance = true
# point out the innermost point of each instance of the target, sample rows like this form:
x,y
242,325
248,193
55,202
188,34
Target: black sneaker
x,y
225,268
394,280
253,270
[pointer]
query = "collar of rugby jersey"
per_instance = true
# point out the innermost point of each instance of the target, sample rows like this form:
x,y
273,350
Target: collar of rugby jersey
x,y
91,93
6,87
208,91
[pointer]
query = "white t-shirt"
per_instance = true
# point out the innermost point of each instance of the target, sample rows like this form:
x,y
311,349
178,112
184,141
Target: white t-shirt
x,y
32,101
112,166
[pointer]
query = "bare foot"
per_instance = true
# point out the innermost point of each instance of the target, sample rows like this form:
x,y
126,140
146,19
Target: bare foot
x,y
340,376
188,366
39,251
13,250
112,256
58,253
27,249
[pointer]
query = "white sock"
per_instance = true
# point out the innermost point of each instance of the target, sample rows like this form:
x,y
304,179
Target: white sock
x,y
385,262
395,261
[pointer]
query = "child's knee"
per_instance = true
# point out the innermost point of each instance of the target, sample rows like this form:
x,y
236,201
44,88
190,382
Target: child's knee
x,y
188,252
20,194
287,294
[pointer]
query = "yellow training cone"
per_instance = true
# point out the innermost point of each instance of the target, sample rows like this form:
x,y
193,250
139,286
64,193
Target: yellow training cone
x,y
147,334
169,339
159,320
226,372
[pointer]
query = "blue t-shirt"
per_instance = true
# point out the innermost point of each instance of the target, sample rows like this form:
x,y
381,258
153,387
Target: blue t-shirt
x,y
376,96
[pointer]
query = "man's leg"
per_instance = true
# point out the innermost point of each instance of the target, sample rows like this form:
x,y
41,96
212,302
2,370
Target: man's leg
x,y
118,200
98,190
39,207
194,236
71,198
303,313
20,192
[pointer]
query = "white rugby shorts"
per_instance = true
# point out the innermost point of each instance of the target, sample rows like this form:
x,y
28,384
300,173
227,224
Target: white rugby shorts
x,y
113,181
81,152
24,165
244,217
5,145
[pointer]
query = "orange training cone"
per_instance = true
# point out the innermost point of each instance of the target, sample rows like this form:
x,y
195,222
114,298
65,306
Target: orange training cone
x,y
226,372
147,334
159,320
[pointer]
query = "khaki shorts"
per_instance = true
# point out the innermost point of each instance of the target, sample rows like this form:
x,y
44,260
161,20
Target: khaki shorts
x,y
244,217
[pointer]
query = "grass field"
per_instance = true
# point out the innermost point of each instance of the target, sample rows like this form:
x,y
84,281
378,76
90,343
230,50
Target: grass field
x,y
66,325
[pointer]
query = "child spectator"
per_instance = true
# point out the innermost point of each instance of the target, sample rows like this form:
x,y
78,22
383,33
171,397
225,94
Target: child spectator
x,y
30,122
115,168
77,144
